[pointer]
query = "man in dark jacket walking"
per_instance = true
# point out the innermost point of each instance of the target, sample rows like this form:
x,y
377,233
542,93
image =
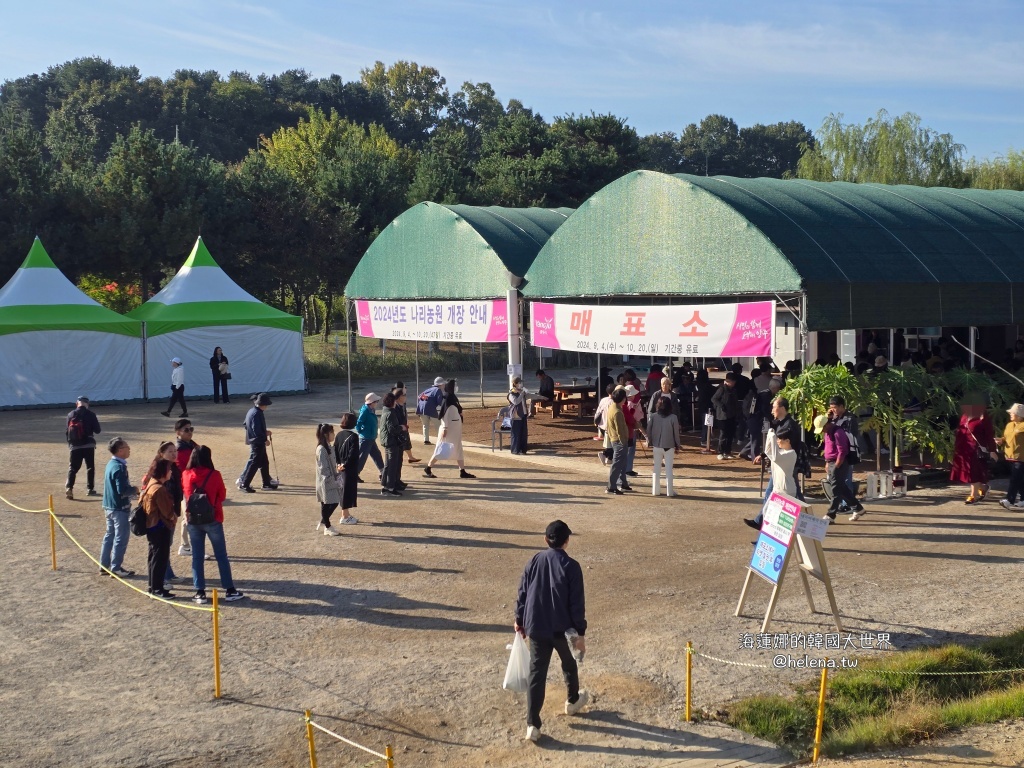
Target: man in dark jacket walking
x,y
549,607
727,409
257,437
82,425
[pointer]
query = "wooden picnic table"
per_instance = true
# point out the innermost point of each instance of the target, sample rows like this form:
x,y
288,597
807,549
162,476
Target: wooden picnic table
x,y
574,397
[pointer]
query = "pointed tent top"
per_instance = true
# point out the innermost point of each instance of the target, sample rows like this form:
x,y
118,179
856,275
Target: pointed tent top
x,y
200,256
38,257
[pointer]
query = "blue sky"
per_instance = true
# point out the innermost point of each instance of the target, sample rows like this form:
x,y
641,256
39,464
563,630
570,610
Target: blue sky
x,y
662,64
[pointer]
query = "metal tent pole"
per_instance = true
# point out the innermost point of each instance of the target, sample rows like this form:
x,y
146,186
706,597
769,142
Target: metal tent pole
x,y
348,349
481,348
417,368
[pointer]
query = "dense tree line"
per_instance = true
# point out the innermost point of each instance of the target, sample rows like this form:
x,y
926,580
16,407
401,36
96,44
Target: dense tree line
x,y
289,177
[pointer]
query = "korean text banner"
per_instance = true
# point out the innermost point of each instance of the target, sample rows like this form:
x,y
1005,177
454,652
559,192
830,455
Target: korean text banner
x,y
475,321
701,330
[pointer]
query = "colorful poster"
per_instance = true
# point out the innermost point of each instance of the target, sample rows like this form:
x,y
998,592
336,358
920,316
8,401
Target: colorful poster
x,y
769,557
781,513
694,330
476,321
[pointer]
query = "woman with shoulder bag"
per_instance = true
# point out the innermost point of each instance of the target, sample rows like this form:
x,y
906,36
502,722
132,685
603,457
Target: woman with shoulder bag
x,y
160,522
517,414
346,457
328,490
450,431
169,451
200,475
221,374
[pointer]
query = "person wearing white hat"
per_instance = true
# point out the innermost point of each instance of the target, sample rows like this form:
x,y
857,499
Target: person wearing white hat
x,y
177,388
367,426
428,408
1012,443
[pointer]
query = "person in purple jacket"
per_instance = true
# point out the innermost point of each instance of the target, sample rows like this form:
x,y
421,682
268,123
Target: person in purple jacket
x,y
839,470
550,608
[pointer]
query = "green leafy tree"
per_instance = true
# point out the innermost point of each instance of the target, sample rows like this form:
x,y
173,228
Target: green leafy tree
x,y
593,150
517,160
416,95
999,173
711,148
152,198
662,152
885,150
772,150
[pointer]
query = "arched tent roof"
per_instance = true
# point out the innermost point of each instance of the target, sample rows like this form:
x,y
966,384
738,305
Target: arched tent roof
x,y
435,251
866,255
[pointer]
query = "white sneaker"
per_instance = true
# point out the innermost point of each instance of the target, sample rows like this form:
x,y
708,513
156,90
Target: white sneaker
x,y
331,532
581,702
533,733
349,520
184,551
1005,504
858,514
722,457
1019,505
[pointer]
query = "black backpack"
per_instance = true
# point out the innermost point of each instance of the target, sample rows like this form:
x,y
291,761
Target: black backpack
x,y
78,433
198,509
137,521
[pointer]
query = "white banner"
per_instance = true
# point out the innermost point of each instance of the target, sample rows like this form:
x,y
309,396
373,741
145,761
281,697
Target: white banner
x,y
699,330
484,320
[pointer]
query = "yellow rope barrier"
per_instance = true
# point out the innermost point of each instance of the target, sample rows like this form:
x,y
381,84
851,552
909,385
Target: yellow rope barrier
x,y
689,671
22,509
53,537
387,756
126,583
216,647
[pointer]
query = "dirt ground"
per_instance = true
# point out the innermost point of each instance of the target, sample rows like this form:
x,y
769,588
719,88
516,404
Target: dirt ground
x,y
395,632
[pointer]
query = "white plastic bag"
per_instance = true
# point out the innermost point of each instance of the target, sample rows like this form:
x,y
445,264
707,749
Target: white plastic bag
x,y
444,450
517,674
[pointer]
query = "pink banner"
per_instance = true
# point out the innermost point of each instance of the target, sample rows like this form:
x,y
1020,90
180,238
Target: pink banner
x,y
691,330
477,321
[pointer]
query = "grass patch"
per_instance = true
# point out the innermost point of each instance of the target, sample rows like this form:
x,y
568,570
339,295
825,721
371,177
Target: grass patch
x,y
880,706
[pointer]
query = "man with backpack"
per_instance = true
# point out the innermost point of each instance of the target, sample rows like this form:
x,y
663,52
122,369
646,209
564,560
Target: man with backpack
x,y
82,425
428,407
847,421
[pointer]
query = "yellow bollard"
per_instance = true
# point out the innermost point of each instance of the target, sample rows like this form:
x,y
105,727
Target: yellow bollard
x,y
309,738
689,669
216,647
53,537
821,714
389,756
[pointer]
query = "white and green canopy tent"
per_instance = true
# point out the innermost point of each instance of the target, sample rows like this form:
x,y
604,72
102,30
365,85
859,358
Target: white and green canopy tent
x,y
57,344
202,308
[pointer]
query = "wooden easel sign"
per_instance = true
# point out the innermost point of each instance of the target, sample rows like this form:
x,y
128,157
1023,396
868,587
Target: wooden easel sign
x,y
789,531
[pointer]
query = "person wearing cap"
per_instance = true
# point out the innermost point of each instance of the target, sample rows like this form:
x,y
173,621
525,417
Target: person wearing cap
x,y
837,465
82,424
549,604
368,427
428,408
257,437
633,411
726,407
1012,443
177,388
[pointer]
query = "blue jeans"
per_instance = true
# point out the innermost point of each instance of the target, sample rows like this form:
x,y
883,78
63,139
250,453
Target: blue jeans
x,y
115,538
198,534
369,448
630,455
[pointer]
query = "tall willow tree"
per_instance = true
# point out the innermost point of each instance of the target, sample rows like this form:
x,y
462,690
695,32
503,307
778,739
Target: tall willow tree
x,y
885,150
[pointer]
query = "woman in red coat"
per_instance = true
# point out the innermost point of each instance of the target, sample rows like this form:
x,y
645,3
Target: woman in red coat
x,y
975,444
